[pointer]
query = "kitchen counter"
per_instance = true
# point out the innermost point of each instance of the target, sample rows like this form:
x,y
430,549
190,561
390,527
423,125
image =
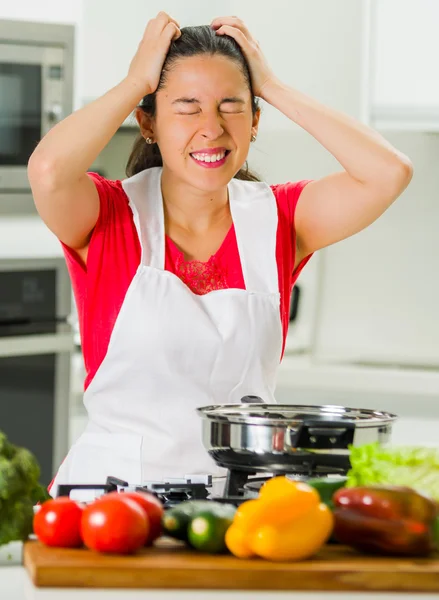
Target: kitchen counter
x,y
16,585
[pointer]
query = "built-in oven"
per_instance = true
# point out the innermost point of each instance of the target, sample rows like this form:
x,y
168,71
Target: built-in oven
x,y
36,345
35,92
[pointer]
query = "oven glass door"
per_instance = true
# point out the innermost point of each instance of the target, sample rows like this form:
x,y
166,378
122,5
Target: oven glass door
x,y
30,94
20,112
27,406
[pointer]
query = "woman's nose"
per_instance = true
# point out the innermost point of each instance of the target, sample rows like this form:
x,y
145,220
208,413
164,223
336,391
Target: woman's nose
x,y
211,128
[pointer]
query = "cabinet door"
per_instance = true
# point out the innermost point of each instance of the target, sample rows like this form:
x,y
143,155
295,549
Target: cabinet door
x,y
110,34
405,47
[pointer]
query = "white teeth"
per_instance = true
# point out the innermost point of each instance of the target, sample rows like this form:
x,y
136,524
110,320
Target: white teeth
x,y
210,157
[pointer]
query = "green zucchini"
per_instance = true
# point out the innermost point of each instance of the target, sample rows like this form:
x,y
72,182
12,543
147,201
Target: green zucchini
x,y
200,523
175,521
207,529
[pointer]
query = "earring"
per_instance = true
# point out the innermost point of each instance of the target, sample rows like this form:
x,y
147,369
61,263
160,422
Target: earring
x,y
253,138
148,140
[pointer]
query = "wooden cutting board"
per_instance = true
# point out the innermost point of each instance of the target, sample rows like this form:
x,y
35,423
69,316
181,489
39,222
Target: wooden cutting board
x,y
169,565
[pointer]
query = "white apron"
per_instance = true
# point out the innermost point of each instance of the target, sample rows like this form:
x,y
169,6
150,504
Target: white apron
x,y
172,351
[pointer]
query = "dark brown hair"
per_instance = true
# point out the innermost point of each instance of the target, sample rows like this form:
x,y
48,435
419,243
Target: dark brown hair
x,y
192,42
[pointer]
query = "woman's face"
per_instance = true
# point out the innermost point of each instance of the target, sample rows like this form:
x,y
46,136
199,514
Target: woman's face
x,y
204,121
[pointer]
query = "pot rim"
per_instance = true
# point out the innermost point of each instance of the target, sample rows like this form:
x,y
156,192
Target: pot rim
x,y
239,414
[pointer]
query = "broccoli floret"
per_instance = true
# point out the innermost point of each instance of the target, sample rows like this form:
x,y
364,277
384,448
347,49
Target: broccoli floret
x,y
9,478
19,491
40,494
6,448
19,474
27,467
16,519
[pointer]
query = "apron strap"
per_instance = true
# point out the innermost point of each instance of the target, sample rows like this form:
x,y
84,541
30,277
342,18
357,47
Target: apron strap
x,y
254,213
145,200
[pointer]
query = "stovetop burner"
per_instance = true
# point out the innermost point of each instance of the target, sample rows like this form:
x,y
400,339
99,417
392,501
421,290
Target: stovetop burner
x,y
169,493
252,487
237,483
240,485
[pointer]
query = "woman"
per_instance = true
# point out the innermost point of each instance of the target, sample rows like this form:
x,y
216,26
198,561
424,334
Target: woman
x,y
183,271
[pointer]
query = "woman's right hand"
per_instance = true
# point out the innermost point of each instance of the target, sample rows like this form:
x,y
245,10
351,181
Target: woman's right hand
x,y
147,64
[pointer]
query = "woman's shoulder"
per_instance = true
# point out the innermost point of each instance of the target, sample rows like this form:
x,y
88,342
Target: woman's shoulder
x,y
113,200
287,195
289,190
112,187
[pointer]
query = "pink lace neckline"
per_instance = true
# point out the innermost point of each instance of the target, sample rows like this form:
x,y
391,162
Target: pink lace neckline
x,y
201,277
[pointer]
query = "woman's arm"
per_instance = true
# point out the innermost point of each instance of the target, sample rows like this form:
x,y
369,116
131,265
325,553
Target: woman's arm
x,y
339,205
65,197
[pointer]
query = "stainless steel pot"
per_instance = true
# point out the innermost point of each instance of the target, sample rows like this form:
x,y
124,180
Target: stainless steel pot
x,y
275,437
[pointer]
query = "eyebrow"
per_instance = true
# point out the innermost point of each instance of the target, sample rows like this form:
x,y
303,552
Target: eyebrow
x,y
186,100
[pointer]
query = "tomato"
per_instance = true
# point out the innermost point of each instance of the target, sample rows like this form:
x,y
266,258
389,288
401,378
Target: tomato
x,y
153,508
58,523
114,524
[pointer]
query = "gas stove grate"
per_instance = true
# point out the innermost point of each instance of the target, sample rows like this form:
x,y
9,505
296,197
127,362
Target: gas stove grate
x,y
169,493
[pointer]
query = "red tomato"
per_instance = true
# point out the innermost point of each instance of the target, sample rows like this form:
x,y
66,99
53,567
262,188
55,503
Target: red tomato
x,y
114,524
58,523
154,510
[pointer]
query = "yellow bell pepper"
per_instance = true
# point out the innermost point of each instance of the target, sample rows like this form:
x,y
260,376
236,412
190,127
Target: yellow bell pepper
x,y
286,522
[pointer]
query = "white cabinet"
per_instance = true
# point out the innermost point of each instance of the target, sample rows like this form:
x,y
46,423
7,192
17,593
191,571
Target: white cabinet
x,y
109,34
405,48
316,46
111,31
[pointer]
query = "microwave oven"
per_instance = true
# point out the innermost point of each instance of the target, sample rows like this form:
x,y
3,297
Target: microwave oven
x,y
36,90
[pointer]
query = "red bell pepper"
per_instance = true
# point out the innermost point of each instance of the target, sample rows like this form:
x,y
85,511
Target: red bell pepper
x,y
386,520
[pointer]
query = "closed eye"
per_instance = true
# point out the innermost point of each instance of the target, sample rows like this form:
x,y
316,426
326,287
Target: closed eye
x,y
225,112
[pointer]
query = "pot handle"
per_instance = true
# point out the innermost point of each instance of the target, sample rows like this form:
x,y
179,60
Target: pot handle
x,y
252,400
322,435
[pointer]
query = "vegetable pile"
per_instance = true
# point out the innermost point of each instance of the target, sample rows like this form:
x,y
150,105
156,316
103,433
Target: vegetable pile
x,y
388,504
19,491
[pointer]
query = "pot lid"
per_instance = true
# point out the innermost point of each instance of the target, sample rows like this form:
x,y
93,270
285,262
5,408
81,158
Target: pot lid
x,y
288,414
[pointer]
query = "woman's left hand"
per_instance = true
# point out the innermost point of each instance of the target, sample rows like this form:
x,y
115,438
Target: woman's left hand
x,y
259,70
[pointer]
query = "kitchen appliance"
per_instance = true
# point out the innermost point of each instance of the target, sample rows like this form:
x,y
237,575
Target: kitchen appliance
x,y
36,343
254,437
235,488
169,493
36,91
254,441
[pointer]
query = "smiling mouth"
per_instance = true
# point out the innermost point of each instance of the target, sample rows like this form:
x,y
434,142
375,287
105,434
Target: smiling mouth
x,y
210,159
